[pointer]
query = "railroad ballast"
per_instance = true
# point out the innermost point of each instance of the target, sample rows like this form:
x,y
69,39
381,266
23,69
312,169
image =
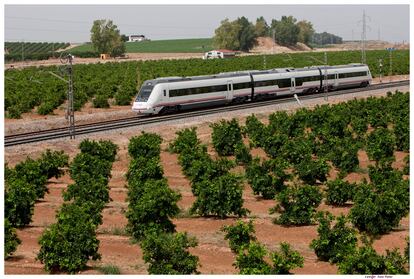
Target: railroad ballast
x,y
170,94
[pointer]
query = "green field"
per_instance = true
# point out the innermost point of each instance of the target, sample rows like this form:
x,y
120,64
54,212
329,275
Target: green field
x,y
161,46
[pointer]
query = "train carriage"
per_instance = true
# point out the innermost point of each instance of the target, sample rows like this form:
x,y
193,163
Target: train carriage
x,y
176,93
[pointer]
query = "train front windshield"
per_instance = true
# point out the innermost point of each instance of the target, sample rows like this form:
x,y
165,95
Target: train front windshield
x,y
144,93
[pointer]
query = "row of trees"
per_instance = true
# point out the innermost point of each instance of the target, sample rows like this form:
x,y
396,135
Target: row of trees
x,y
151,206
218,192
24,185
68,244
241,34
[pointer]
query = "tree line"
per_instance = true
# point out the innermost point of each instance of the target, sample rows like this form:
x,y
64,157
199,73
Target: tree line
x,y
241,34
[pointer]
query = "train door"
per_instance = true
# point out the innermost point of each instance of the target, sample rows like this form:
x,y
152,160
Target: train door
x,y
336,82
229,95
292,85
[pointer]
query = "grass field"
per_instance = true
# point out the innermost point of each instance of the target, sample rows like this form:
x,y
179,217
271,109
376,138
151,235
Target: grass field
x,y
161,46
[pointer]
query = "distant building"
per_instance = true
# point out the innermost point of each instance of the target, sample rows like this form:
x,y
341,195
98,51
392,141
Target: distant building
x,y
137,38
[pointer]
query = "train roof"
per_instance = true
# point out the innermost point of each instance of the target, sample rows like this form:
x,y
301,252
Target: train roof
x,y
247,73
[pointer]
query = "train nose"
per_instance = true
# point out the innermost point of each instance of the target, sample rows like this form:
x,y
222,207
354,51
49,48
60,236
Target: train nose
x,y
140,107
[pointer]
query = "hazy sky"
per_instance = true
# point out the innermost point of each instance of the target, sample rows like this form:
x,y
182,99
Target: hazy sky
x,y
72,23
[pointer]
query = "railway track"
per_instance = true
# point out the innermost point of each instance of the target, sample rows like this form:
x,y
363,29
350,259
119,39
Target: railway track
x,y
31,137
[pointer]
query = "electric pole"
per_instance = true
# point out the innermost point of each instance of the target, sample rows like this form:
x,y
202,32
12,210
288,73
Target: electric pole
x,y
391,49
380,68
70,111
326,76
22,50
363,38
274,42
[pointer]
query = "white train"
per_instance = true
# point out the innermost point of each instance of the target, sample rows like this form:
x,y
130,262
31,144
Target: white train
x,y
170,94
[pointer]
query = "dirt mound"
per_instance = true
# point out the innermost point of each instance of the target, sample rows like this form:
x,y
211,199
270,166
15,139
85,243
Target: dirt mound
x,y
266,45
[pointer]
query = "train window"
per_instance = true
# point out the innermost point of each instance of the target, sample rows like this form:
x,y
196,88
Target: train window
x,y
197,90
283,83
144,93
243,85
301,80
165,93
354,74
280,82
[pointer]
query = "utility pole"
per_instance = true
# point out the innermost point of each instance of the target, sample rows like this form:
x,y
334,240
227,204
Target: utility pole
x,y
380,68
363,60
70,111
364,37
325,88
390,50
22,50
274,42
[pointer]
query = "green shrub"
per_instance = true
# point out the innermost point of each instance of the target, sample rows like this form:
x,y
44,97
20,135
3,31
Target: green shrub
x,y
267,178
14,112
297,205
285,260
19,200
142,169
402,134
86,164
186,140
344,154
152,209
100,101
256,131
250,260
31,171
407,250
242,152
310,171
207,170
147,145
123,95
46,108
378,212
221,196
239,234
335,241
406,169
384,177
365,260
88,188
359,125
11,241
168,253
104,149
274,144
68,244
297,150
380,144
226,135
338,192
52,162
